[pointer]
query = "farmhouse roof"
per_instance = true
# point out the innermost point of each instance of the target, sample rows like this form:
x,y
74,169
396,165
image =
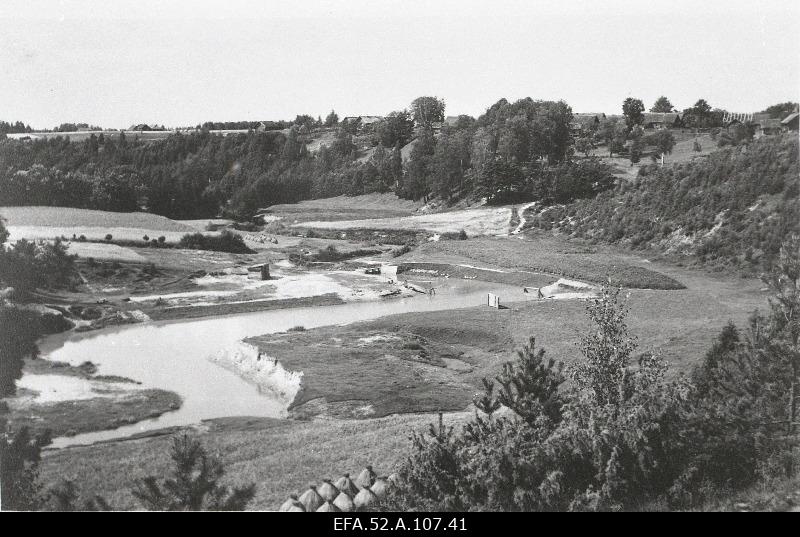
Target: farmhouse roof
x,y
451,121
584,119
368,120
770,123
788,119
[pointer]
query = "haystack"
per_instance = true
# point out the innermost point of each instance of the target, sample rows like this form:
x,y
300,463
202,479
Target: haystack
x,y
311,499
344,502
292,504
382,487
365,499
328,491
328,507
346,485
366,478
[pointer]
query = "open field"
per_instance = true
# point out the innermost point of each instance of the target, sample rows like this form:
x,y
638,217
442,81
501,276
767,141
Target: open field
x,y
682,152
540,253
50,222
471,272
280,456
387,366
70,217
475,222
342,208
435,360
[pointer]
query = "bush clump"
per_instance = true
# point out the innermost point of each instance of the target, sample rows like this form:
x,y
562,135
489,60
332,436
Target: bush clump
x,y
622,435
227,241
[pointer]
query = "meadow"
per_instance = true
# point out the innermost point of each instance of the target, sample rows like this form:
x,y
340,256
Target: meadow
x,y
550,255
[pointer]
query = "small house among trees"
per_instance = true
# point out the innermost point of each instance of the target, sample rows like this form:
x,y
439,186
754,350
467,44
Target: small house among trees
x,y
364,124
790,121
662,120
585,122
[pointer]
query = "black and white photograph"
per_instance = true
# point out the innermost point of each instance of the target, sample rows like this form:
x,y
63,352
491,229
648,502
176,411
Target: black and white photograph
x,y
411,263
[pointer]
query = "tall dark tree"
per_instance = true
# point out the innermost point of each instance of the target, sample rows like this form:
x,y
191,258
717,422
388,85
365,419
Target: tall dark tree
x,y
664,142
19,330
332,119
396,128
419,169
781,110
20,454
427,110
633,110
662,104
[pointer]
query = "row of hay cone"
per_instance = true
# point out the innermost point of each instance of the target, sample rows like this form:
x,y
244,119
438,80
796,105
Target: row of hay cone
x,y
344,495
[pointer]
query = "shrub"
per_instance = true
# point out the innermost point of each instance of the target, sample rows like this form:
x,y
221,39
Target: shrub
x,y
227,241
146,238
397,252
109,236
26,266
551,448
20,454
193,485
621,436
162,239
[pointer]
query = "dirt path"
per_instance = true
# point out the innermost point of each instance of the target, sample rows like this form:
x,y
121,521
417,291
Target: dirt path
x,y
521,213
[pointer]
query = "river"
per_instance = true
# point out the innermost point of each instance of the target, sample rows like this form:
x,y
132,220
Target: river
x,y
175,355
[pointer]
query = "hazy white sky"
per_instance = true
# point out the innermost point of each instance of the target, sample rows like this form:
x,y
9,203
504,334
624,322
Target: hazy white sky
x,y
118,62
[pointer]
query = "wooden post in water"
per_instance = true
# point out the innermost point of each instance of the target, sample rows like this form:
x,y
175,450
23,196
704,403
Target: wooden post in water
x,y
265,271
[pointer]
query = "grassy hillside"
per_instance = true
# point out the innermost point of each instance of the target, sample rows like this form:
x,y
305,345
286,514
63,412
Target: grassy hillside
x,y
70,217
548,256
730,210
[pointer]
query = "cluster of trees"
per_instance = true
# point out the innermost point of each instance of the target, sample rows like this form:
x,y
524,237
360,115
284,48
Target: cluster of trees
x,y
198,175
505,155
72,127
497,155
227,241
26,266
622,435
244,125
781,110
734,207
626,135
13,128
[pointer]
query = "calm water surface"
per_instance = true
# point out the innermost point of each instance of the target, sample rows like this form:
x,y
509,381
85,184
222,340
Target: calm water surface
x,y
174,355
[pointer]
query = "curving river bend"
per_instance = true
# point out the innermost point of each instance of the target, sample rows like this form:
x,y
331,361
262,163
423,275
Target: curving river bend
x,y
175,355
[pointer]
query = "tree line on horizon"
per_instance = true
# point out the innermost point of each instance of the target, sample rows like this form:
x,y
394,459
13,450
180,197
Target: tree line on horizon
x,y
512,152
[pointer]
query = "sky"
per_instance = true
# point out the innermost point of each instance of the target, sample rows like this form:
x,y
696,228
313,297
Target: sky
x,y
179,63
